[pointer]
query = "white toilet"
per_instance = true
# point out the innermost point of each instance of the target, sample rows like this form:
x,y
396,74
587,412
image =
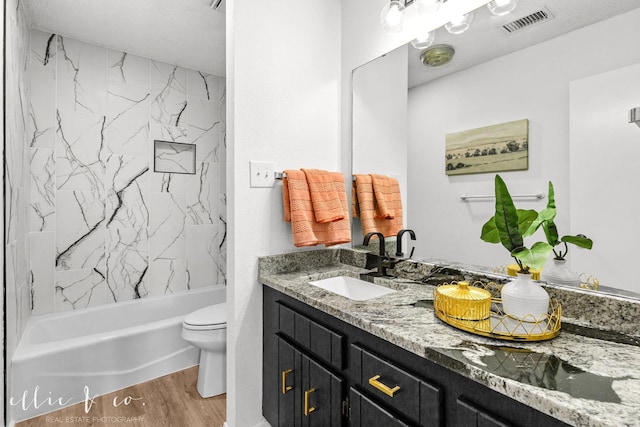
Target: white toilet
x,y
207,329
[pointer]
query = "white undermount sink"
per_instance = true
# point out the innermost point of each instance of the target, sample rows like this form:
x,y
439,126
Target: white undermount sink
x,y
352,288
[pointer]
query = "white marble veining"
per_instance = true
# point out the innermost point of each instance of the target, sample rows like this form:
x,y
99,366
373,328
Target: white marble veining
x,y
81,77
168,276
80,146
127,127
167,226
43,190
17,177
222,245
127,192
604,391
204,125
204,86
80,232
42,102
127,264
202,198
76,289
202,254
42,278
169,94
126,68
80,154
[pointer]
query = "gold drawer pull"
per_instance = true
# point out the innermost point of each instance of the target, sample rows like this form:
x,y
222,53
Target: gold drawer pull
x,y
285,387
307,409
383,388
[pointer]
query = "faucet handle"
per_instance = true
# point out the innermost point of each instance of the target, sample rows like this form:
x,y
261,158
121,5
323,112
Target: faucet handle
x,y
412,235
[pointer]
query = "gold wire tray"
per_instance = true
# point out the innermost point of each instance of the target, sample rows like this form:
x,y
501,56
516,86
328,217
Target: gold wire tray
x,y
502,326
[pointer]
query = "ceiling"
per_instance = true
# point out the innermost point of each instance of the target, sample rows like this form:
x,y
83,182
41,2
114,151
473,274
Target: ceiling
x,y
189,33
486,40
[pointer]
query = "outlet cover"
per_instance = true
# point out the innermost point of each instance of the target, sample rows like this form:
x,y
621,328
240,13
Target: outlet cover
x,y
263,174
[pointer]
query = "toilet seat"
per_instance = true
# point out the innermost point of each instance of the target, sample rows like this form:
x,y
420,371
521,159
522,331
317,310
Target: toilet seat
x,y
208,318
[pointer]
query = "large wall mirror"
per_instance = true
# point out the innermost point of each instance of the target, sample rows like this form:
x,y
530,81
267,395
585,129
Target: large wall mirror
x,y
573,76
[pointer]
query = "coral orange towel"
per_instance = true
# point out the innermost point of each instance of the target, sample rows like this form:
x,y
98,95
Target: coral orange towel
x,y
325,199
383,214
387,193
298,209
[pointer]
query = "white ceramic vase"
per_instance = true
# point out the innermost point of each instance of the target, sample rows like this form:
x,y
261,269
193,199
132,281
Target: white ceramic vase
x,y
524,299
558,272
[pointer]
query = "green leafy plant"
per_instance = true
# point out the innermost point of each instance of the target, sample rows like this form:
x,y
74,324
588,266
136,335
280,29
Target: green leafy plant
x,y
546,218
509,226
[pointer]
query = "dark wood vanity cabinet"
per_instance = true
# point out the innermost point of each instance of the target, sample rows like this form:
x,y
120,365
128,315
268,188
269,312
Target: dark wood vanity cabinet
x,y
309,395
352,378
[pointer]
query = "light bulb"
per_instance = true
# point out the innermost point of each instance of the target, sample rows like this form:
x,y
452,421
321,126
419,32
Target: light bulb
x,y
428,6
392,17
501,7
459,24
424,40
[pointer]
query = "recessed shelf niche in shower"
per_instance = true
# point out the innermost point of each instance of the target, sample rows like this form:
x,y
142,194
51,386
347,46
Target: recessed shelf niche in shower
x,y
174,157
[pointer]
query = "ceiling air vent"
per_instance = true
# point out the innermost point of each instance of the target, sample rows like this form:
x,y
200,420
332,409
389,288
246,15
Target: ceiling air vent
x,y
527,21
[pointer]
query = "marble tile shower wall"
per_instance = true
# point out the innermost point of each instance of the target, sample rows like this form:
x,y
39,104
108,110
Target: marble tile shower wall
x,y
16,177
104,226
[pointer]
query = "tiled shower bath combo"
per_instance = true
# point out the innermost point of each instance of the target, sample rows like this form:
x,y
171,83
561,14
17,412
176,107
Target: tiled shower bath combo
x,y
104,226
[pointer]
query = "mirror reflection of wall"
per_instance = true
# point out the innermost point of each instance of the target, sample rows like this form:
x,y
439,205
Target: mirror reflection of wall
x,y
380,115
532,83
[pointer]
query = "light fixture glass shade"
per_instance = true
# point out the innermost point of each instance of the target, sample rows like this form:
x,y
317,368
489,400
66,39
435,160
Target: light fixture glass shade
x,y
459,24
501,7
428,6
424,40
392,16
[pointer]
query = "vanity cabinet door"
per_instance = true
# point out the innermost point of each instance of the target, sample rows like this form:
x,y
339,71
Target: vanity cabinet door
x,y
308,394
366,413
290,369
322,396
471,416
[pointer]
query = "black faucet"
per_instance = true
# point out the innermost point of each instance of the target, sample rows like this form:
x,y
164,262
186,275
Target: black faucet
x,y
381,261
399,252
380,240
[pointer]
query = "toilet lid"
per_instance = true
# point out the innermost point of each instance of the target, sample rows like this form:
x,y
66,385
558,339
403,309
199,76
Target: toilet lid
x,y
208,316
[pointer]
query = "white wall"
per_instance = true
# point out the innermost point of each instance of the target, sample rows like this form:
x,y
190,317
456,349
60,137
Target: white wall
x,y
283,77
532,83
380,122
605,155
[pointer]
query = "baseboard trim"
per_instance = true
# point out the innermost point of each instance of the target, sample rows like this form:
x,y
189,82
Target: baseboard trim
x,y
263,423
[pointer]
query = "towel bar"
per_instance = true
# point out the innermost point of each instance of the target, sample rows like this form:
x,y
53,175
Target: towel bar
x,y
280,175
466,198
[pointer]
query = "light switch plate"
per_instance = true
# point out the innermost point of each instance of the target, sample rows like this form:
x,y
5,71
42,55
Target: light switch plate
x,y
262,174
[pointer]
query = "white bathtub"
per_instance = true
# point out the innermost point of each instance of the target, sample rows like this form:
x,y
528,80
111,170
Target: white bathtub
x,y
103,348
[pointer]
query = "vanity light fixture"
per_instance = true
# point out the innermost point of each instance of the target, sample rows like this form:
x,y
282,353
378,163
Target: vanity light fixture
x,y
423,32
459,24
501,7
424,40
428,6
392,16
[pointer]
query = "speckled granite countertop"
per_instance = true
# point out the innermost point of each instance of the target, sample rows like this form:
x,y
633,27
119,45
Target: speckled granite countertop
x,y
579,379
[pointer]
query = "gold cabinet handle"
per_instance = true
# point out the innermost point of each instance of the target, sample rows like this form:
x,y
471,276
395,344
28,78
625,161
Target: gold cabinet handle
x,y
307,409
285,387
382,387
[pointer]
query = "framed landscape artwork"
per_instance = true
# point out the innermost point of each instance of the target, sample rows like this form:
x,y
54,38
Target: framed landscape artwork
x,y
497,148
